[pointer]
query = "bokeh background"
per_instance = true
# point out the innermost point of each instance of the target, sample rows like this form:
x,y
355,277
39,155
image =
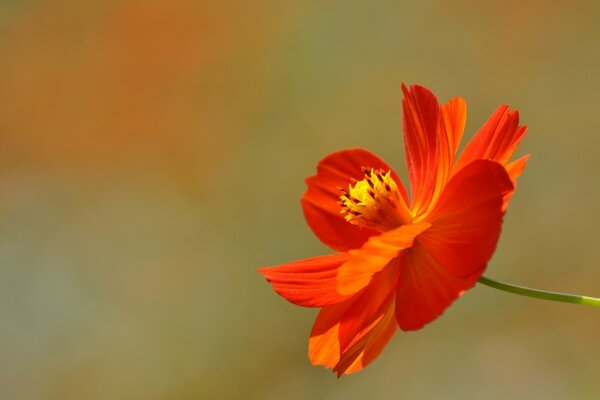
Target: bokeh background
x,y
152,156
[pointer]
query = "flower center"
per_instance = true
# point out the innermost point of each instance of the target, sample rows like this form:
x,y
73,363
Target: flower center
x,y
374,202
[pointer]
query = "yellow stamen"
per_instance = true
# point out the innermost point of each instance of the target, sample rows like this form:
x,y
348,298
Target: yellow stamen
x,y
374,202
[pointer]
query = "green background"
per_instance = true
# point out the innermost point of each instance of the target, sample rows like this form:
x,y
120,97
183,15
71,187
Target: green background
x,y
152,157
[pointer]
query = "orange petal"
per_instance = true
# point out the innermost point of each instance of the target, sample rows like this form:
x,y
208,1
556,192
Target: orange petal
x,y
374,255
496,140
426,289
467,220
324,343
421,119
369,306
339,328
362,353
452,125
320,201
454,118
514,169
449,257
308,283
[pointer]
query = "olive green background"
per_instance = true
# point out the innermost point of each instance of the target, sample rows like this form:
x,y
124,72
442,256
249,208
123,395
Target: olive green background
x,y
152,157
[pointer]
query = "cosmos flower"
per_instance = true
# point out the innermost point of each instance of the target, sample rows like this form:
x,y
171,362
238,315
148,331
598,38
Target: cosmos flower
x,y
400,261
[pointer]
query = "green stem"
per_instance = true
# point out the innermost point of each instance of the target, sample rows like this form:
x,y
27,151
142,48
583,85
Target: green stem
x,y
541,294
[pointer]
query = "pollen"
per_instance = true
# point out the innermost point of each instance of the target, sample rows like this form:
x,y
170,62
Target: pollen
x,y
374,202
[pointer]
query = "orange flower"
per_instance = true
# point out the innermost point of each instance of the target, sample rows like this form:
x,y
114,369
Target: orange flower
x,y
401,262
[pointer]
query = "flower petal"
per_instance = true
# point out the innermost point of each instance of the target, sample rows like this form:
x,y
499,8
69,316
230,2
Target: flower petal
x,y
369,305
514,169
452,125
324,343
320,201
496,140
310,283
421,118
448,258
467,220
374,255
363,352
357,321
454,118
426,289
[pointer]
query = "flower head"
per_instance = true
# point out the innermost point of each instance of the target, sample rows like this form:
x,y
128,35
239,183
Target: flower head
x,y
401,261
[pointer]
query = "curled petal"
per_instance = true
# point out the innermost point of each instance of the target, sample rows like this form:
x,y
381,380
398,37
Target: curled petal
x,y
309,283
454,118
514,169
496,140
452,125
320,201
420,111
365,350
449,257
359,325
374,255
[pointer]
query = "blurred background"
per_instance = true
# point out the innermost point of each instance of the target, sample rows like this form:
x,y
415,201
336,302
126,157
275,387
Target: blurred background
x,y
152,157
